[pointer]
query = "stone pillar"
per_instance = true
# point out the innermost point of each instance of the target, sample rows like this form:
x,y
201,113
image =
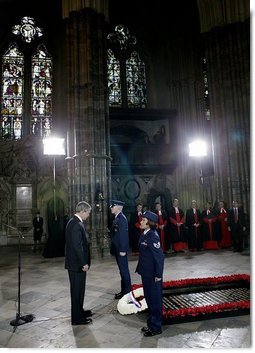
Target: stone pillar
x,y
228,59
88,121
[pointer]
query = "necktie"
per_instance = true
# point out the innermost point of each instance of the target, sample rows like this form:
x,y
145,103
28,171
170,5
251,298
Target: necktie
x,y
195,215
236,215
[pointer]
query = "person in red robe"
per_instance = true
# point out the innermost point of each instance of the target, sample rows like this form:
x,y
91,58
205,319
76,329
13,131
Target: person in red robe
x,y
162,222
209,228
134,229
222,215
177,228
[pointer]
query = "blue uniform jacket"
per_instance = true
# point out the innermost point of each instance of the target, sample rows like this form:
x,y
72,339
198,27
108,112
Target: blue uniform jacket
x,y
120,237
151,258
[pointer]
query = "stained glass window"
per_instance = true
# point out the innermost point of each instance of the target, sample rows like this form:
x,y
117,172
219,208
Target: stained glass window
x,y
41,93
126,71
114,84
15,88
12,93
136,83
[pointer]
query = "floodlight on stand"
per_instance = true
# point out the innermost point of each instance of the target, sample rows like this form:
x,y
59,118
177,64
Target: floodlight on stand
x,y
198,148
54,146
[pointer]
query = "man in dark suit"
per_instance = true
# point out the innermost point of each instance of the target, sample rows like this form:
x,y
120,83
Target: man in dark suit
x,y
77,262
38,230
236,225
120,245
193,224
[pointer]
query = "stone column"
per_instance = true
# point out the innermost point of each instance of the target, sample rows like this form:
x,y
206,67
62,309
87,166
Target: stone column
x,y
88,121
228,59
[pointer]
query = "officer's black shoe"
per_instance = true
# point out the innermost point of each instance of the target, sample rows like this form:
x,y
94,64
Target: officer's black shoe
x,y
150,333
118,295
144,329
82,322
87,313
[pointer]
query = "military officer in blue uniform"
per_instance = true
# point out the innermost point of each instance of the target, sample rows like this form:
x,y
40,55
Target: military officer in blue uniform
x,y
120,245
150,267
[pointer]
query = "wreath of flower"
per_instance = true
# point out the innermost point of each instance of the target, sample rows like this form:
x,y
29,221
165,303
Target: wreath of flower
x,y
194,311
132,302
201,281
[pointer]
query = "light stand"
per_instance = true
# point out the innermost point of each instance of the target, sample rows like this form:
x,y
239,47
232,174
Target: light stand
x,y
54,146
198,149
20,320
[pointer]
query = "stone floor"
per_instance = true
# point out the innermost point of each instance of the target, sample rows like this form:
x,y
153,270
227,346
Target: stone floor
x,y
45,294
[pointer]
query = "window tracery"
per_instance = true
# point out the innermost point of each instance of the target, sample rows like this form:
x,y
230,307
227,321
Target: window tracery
x,y
126,70
27,29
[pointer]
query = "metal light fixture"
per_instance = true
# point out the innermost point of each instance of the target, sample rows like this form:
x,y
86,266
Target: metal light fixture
x,y
198,148
54,146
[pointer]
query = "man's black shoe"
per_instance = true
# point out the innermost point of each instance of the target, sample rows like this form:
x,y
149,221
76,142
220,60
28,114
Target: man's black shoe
x,y
144,329
87,313
119,295
82,322
145,311
150,333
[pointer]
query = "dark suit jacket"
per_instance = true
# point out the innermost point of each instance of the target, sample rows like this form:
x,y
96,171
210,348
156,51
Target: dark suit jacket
x,y
77,252
38,226
231,218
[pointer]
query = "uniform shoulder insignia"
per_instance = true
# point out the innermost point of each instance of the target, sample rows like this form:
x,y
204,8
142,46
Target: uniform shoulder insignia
x,y
156,245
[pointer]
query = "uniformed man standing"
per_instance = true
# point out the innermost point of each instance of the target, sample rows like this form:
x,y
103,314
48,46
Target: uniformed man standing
x,y
120,245
150,267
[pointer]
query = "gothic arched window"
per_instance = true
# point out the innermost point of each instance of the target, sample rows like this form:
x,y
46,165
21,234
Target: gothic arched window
x,y
41,92
126,71
26,92
114,85
12,100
